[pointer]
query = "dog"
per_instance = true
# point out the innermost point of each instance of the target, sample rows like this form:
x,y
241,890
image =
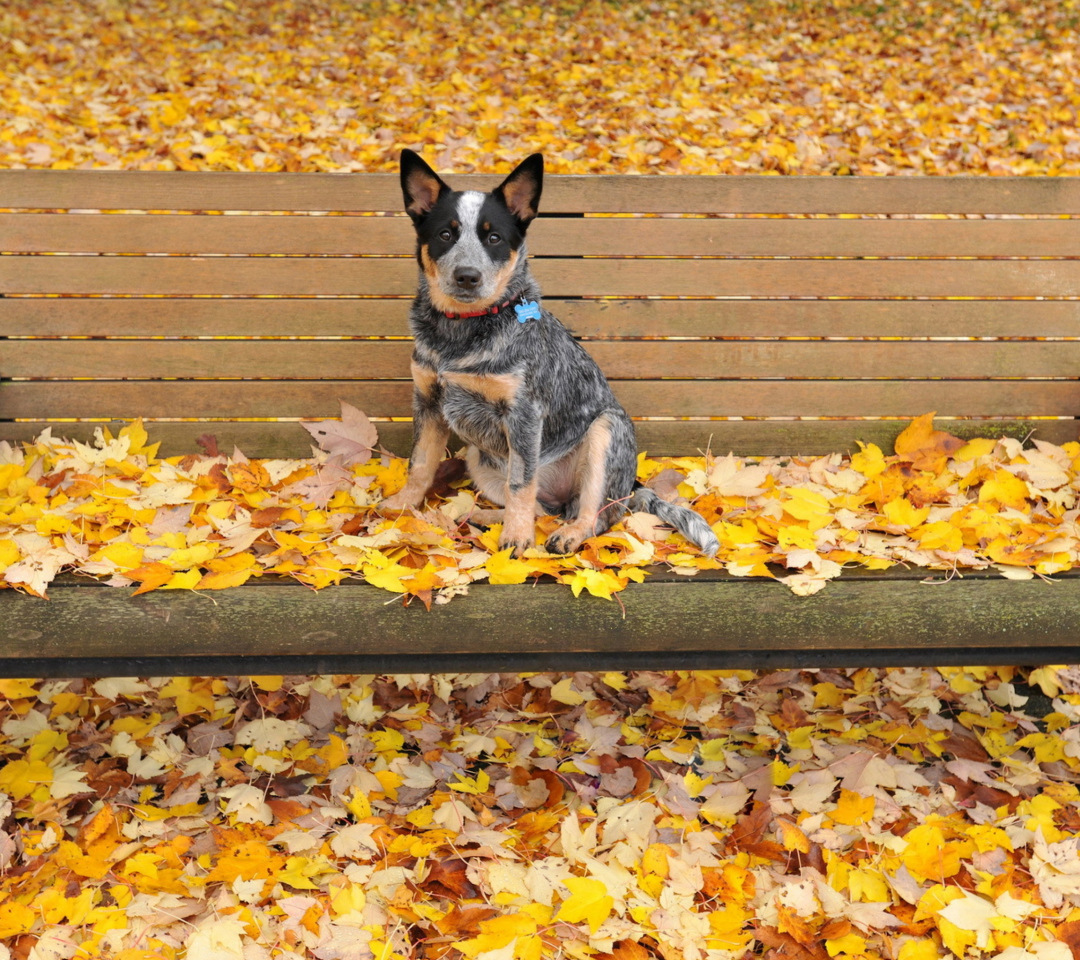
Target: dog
x,y
545,434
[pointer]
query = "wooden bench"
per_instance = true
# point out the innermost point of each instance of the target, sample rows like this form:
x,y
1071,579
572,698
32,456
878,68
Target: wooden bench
x,y
836,314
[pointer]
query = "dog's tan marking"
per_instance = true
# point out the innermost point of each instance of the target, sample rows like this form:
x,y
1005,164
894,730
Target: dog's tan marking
x,y
519,520
455,224
495,388
431,271
485,518
590,483
426,454
423,378
485,226
502,278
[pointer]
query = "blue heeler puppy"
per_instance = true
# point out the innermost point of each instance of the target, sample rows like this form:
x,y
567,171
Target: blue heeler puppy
x,y
545,434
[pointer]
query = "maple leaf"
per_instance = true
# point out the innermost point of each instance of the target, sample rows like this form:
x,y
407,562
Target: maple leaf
x,y
352,438
924,446
588,900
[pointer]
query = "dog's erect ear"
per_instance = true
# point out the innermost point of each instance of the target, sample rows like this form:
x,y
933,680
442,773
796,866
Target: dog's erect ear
x,y
420,185
521,190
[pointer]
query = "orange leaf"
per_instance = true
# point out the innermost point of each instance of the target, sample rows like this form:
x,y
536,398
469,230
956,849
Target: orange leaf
x,y
151,575
219,580
923,445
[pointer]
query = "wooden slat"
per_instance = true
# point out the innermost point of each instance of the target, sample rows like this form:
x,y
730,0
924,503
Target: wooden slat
x,y
724,623
321,317
559,277
658,437
204,317
343,236
164,190
642,398
620,360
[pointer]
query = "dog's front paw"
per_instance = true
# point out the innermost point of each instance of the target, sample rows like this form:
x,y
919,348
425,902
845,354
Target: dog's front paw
x,y
397,503
519,545
564,541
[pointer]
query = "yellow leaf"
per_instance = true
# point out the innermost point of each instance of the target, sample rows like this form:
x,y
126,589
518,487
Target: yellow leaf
x,y
869,461
922,948
497,933
502,568
1006,489
600,583
972,450
359,806
189,557
9,553
20,778
467,785
589,901
564,692
853,809
901,513
15,919
124,555
851,944
269,684
17,689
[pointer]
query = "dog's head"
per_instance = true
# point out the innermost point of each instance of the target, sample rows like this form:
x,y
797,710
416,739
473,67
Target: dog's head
x,y
469,243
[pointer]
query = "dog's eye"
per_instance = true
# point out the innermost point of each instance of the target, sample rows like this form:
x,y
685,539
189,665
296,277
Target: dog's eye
x,y
494,238
446,236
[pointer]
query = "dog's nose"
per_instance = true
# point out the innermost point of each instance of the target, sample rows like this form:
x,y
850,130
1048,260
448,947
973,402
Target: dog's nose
x,y
467,278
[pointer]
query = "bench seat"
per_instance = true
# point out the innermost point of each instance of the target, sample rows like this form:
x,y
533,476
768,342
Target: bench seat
x,y
757,315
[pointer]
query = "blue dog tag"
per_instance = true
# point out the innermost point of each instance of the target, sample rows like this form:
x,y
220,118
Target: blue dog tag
x,y
530,310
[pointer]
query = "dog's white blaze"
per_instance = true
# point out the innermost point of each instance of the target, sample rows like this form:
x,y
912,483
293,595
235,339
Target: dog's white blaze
x,y
468,210
469,251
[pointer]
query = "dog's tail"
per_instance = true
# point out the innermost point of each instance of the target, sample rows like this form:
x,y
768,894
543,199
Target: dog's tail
x,y
690,524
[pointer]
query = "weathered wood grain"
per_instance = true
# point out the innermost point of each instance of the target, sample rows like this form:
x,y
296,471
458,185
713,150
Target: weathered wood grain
x,y
240,399
553,236
570,277
349,317
165,190
620,360
760,438
715,624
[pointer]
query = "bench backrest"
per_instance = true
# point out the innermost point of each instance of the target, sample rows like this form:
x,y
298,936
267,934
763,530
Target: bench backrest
x,y
872,298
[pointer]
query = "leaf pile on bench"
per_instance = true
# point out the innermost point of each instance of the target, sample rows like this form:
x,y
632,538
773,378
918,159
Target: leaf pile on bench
x,y
210,521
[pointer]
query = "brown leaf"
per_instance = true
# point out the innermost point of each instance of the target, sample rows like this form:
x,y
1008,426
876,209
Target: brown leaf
x,y
267,516
964,746
751,827
787,947
446,879
835,929
208,443
789,922
464,922
625,950
450,471
1069,934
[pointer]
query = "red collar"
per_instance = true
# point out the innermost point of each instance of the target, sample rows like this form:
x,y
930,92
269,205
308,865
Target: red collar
x,y
490,311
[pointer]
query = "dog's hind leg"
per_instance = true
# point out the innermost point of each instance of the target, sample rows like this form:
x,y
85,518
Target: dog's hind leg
x,y
604,479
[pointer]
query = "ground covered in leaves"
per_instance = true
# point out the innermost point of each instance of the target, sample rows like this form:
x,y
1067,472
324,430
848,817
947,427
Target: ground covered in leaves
x,y
212,521
901,814
904,86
